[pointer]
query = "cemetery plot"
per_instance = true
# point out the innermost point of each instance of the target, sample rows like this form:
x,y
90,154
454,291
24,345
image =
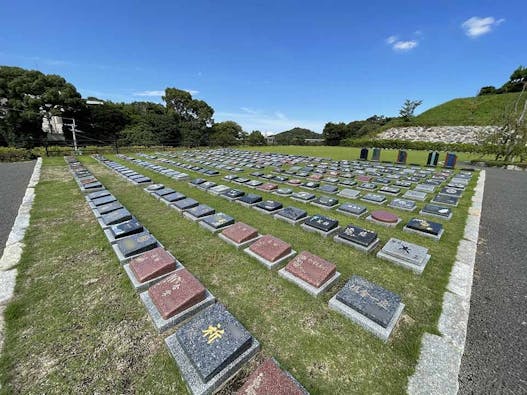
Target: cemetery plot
x,y
150,267
415,195
128,247
199,212
325,202
349,193
302,196
425,228
374,308
269,379
270,251
249,200
320,224
210,348
437,211
357,237
446,199
352,209
123,229
240,235
184,204
403,204
217,222
175,298
268,206
384,218
374,198
310,272
291,215
407,255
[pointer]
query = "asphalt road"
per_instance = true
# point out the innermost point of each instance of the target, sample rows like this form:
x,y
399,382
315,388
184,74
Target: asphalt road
x,y
495,358
14,178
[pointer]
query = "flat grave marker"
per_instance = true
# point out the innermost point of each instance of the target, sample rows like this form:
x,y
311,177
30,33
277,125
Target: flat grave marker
x,y
357,237
408,255
150,267
320,224
240,235
425,228
437,211
270,251
384,218
291,215
216,222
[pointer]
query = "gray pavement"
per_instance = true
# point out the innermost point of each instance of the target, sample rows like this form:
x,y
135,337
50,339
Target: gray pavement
x,y
14,178
495,358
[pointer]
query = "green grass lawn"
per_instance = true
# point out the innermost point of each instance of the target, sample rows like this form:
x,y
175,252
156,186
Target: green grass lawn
x,y
352,153
77,326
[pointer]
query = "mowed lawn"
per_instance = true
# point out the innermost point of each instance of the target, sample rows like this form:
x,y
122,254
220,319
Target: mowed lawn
x,y
76,325
353,153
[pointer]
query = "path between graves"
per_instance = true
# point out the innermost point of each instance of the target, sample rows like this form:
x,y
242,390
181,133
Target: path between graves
x,y
13,178
495,356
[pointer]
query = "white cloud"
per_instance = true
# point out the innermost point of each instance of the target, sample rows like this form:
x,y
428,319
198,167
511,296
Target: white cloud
x,y
249,110
160,93
476,26
405,45
149,93
280,115
391,39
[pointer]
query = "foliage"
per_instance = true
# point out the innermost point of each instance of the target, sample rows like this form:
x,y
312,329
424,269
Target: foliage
x,y
510,139
514,84
24,93
10,154
295,136
334,133
226,134
256,138
407,110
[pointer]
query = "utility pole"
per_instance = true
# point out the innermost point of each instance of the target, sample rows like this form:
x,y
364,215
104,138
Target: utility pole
x,y
74,136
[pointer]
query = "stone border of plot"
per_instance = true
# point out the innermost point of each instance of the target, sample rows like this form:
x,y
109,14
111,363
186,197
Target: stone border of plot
x,y
439,361
15,246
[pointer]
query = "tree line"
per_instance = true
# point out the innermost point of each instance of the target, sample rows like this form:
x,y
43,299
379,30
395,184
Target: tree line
x,y
29,96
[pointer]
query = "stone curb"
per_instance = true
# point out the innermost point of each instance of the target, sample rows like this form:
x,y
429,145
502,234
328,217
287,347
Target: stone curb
x,y
439,361
14,246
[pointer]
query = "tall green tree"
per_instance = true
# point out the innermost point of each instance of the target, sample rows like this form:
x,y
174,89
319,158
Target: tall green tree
x,y
24,93
407,110
226,134
333,133
194,116
256,138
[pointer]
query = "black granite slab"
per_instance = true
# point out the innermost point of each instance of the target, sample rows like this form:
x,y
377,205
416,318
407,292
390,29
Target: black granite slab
x,y
446,199
104,200
293,213
326,201
186,203
451,192
213,339
425,226
355,209
269,205
201,211
403,204
437,210
372,197
163,191
154,187
369,299
358,235
99,194
322,223
116,216
136,244
108,208
306,196
219,220
328,188
233,193
174,197
197,181
250,198
126,228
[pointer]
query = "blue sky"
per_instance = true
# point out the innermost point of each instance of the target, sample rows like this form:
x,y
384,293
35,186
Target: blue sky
x,y
271,65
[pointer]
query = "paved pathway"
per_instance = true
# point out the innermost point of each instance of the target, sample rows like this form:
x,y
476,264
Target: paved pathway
x,y
495,358
14,178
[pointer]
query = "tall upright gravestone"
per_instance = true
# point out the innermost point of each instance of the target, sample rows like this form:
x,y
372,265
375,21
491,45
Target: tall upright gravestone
x,y
402,156
376,155
433,157
364,154
450,160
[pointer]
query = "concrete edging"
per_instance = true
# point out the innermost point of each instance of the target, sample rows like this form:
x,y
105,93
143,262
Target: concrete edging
x,y
15,246
439,361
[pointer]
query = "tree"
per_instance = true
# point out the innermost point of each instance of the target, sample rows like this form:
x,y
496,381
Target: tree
x,y
194,116
333,133
511,137
226,134
487,90
256,138
407,110
516,80
24,93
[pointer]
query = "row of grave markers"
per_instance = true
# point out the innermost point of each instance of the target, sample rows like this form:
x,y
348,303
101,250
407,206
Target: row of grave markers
x,y
402,156
405,254
210,345
367,304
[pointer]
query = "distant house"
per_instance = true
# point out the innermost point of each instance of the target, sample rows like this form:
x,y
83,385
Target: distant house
x,y
313,141
270,139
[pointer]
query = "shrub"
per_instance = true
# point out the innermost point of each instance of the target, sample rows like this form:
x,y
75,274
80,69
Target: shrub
x,y
9,154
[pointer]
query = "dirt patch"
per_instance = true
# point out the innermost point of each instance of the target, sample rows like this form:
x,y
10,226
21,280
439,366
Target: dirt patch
x,y
55,173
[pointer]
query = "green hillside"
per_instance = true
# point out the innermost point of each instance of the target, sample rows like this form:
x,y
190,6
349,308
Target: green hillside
x,y
480,110
296,134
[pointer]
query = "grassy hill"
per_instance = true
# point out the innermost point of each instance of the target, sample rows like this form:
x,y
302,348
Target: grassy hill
x,y
480,110
296,134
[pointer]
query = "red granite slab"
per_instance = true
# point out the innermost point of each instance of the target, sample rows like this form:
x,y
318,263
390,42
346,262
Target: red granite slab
x,y
152,264
269,379
88,180
176,293
240,232
268,186
311,268
384,216
270,248
363,178
316,177
295,181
